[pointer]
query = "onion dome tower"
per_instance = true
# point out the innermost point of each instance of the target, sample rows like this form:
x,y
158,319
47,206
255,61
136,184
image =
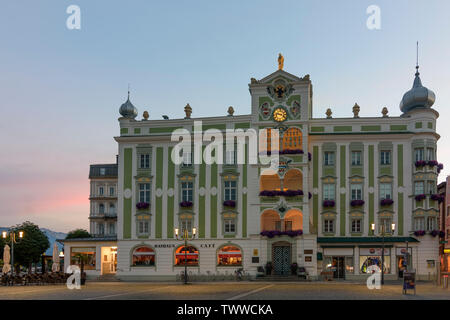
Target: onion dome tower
x,y
127,109
418,97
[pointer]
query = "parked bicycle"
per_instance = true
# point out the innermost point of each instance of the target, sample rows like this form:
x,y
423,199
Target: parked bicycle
x,y
239,274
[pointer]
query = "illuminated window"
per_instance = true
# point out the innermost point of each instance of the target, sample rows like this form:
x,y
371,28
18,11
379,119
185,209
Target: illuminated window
x,y
292,139
229,256
186,255
143,257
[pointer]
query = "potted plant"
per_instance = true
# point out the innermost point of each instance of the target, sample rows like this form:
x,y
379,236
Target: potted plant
x,y
268,268
186,204
356,203
294,268
142,205
419,233
386,202
229,203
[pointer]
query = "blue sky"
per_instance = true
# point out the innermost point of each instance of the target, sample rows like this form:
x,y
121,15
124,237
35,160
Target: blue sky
x,y
61,89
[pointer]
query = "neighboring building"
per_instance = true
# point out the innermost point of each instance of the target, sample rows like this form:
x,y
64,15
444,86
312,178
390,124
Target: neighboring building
x,y
444,224
335,178
103,200
101,248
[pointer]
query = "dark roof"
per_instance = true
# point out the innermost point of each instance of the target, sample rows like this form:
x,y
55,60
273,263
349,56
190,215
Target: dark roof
x,y
88,239
110,171
364,239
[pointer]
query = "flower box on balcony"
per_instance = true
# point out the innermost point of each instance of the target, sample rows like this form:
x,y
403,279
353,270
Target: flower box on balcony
x,y
357,203
440,167
434,233
420,197
292,151
186,204
276,193
420,163
329,203
419,233
437,197
386,202
432,163
273,233
142,205
229,203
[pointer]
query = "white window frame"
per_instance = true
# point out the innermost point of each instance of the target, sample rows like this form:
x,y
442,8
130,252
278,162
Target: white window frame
x,y
101,191
187,191
417,190
431,223
228,190
356,226
385,190
385,157
329,191
356,191
419,223
356,158
328,158
144,162
430,154
144,192
419,154
229,226
328,226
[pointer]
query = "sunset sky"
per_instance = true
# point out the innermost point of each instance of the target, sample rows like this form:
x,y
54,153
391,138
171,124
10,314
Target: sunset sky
x,y
61,89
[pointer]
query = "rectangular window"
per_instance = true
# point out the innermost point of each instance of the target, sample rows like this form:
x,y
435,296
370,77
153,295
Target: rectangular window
x,y
145,161
385,223
385,191
328,158
278,225
100,191
144,192
328,226
112,228
143,227
102,171
418,154
230,190
230,157
111,191
430,154
418,188
186,191
101,229
419,223
431,223
356,191
431,187
356,158
356,225
329,191
186,224
385,157
230,225
187,158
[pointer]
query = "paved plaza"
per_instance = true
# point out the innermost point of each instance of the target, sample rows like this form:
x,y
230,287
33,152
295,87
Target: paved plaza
x,y
222,291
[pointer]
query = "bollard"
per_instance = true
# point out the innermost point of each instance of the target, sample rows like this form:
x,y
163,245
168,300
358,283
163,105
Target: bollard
x,y
445,282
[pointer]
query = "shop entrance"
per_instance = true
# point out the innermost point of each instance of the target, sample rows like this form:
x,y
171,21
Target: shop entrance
x,y
109,260
281,256
338,267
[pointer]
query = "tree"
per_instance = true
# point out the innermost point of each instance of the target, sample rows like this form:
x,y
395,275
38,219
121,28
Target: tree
x,y
30,248
77,234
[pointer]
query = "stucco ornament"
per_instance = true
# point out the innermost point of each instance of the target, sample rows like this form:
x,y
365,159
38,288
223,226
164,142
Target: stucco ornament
x,y
159,192
127,193
202,191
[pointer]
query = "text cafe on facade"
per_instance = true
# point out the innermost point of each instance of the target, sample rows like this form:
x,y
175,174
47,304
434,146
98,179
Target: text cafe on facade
x,y
341,184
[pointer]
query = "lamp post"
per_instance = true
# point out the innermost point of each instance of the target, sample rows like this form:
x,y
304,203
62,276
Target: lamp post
x,y
383,227
12,233
185,237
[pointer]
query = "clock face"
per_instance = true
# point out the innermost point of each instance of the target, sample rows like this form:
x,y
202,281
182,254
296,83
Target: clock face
x,y
279,115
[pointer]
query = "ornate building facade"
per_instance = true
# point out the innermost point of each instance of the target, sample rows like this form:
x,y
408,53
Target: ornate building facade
x,y
341,185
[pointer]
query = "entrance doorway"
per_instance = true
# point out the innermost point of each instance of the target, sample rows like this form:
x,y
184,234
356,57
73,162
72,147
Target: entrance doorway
x,y
338,267
109,260
281,256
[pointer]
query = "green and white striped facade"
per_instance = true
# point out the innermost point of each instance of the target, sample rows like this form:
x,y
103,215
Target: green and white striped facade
x,y
319,244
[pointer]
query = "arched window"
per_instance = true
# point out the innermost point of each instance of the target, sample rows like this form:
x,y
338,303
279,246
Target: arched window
x,y
143,256
292,139
270,221
293,220
186,255
293,180
229,255
269,181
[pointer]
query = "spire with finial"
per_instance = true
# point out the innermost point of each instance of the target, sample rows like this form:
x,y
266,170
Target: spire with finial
x,y
419,96
127,110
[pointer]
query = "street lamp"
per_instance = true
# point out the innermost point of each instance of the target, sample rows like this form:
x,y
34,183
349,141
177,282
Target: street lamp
x,y
185,237
383,231
12,233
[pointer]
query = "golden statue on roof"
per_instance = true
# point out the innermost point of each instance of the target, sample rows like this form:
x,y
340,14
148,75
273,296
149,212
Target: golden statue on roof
x,y
280,61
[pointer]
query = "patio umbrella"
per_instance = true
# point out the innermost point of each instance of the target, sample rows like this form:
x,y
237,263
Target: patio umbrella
x,y
6,260
55,265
